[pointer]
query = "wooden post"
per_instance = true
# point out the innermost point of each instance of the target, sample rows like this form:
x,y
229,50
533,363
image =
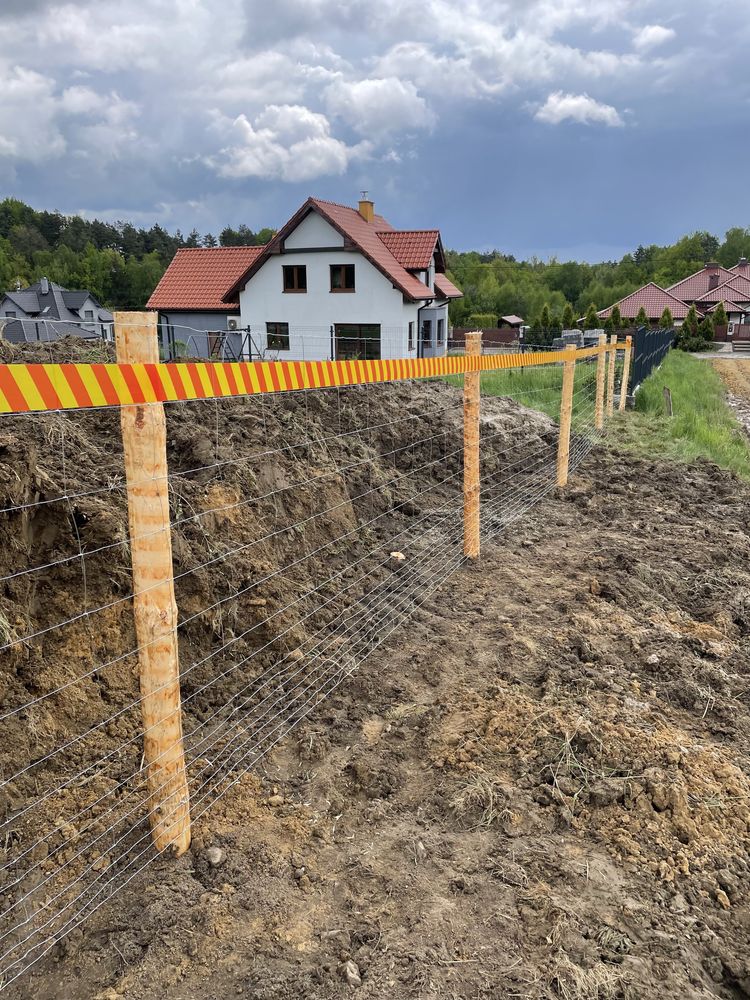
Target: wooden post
x,y
625,372
601,361
144,437
471,449
611,375
566,414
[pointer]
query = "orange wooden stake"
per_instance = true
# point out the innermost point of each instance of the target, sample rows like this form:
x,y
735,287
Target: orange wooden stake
x,y
144,437
471,449
566,416
601,362
625,372
611,375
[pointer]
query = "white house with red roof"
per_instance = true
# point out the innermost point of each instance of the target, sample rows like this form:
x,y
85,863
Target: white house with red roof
x,y
338,282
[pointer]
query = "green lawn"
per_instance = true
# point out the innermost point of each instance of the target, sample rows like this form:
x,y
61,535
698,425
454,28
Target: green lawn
x,y
539,387
703,426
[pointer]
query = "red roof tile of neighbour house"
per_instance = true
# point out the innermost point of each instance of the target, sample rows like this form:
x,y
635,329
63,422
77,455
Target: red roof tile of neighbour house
x,y
742,267
730,307
446,289
691,288
736,287
414,248
653,299
199,277
357,232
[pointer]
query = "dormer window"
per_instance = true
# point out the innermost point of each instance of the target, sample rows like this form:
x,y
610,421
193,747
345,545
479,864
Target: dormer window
x,y
342,277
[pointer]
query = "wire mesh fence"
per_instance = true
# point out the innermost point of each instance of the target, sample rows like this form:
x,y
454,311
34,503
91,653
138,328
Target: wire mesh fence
x,y
306,526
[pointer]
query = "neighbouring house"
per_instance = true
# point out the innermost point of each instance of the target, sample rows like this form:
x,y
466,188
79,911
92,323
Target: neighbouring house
x,y
653,299
338,282
46,311
194,319
512,321
705,290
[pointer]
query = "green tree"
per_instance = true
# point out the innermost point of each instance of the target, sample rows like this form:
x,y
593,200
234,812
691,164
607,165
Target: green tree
x,y
706,330
568,317
616,317
720,316
544,318
667,321
592,321
641,319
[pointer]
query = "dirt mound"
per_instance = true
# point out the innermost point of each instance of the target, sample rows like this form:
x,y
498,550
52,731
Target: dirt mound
x,y
285,510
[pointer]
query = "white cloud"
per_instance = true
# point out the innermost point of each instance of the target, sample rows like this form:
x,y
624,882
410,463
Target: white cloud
x,y
286,142
581,108
378,107
652,35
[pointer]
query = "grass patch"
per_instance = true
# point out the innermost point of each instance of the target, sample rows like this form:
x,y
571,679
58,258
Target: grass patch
x,y
703,426
539,387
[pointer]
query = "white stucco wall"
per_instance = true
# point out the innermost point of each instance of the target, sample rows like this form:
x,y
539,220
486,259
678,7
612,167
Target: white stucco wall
x,y
311,314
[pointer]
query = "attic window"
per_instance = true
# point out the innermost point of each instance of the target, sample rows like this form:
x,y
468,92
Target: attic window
x,y
295,278
10,313
342,277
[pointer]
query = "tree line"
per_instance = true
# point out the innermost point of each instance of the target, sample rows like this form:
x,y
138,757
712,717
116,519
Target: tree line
x,y
553,294
118,262
121,264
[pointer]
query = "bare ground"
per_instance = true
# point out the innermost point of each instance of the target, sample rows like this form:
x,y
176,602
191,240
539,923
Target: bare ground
x,y
537,789
540,789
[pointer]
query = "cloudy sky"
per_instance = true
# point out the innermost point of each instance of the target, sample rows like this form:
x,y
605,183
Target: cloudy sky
x,y
576,127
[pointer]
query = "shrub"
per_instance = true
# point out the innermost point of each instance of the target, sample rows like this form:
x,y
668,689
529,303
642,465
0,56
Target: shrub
x,y
592,321
720,315
616,317
667,320
642,319
483,321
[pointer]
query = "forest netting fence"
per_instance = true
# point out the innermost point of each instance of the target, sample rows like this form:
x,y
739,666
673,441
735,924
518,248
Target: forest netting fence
x,y
194,557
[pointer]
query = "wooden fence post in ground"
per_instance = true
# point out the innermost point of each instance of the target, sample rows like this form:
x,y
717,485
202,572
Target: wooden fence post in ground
x,y
601,361
566,415
625,372
471,449
144,441
611,376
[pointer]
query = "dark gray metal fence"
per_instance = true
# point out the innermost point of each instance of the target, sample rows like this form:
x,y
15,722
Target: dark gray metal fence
x,y
650,347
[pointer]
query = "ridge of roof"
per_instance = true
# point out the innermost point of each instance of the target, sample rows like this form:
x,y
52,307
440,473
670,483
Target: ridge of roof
x,y
643,292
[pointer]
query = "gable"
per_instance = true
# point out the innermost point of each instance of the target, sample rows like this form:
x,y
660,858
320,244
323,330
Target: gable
x,y
313,231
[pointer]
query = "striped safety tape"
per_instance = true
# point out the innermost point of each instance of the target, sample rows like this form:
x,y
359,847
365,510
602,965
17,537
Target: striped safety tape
x,y
39,387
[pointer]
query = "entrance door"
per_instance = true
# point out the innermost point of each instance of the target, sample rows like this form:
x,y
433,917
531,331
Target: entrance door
x,y
357,341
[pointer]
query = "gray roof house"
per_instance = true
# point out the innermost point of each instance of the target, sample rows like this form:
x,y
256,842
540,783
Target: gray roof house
x,y
45,311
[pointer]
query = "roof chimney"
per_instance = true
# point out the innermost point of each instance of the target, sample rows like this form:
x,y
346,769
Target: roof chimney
x,y
44,286
713,280
366,208
742,262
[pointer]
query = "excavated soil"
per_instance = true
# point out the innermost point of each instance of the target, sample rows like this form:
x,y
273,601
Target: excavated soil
x,y
536,788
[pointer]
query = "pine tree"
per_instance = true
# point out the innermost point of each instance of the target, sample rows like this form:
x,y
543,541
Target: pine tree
x,y
667,321
616,318
706,330
592,321
568,317
544,318
720,316
641,319
690,323
209,240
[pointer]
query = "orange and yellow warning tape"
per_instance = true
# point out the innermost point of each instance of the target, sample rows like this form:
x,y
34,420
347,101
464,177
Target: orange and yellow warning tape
x,y
39,387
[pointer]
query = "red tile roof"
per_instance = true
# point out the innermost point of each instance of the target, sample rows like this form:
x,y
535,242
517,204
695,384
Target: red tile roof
x,y
741,267
653,299
695,285
414,248
736,286
446,289
365,236
199,278
728,306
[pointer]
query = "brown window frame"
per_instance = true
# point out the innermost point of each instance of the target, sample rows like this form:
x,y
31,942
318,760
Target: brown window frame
x,y
275,333
293,271
345,269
